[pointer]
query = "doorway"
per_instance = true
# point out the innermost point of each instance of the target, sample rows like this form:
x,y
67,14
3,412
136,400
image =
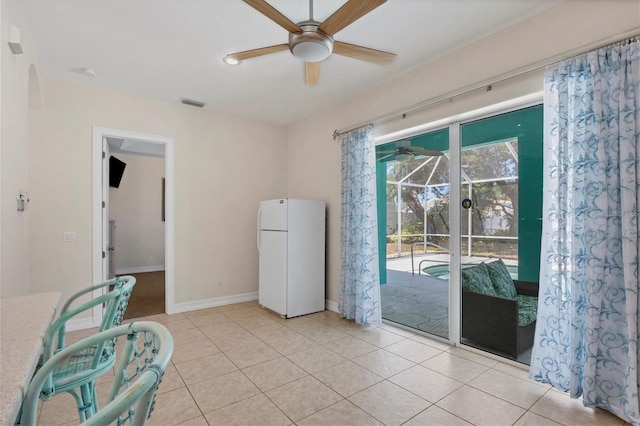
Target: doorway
x,y
143,155
137,226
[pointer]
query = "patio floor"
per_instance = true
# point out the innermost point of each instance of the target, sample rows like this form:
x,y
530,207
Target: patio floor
x,y
416,300
421,301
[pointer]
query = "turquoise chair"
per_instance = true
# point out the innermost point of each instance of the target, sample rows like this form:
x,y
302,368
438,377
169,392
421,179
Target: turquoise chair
x,y
141,365
77,376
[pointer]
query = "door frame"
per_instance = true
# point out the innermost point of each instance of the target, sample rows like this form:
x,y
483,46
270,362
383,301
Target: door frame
x,y
454,123
98,245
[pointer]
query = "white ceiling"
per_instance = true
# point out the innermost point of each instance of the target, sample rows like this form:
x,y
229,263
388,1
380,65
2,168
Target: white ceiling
x,y
172,49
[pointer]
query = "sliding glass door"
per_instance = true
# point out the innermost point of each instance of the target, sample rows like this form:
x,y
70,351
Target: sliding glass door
x,y
413,183
500,224
495,202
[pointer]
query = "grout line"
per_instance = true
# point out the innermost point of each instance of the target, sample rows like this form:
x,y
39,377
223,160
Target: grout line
x,y
323,345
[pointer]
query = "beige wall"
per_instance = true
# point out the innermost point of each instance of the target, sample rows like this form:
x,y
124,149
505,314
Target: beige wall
x,y
136,208
314,158
223,167
14,166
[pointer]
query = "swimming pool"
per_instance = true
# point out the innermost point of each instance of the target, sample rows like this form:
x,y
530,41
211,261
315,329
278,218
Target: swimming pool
x,y
442,271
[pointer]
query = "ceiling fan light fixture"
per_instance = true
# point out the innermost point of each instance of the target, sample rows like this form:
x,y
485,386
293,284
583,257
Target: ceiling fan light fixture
x,y
310,45
403,157
311,51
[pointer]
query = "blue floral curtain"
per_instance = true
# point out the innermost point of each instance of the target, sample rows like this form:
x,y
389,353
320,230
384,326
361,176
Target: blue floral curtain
x,y
359,275
587,330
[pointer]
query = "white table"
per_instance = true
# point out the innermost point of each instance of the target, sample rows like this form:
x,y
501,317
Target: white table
x,y
23,323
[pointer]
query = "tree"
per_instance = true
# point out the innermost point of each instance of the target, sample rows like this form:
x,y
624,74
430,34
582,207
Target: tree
x,y
479,162
493,161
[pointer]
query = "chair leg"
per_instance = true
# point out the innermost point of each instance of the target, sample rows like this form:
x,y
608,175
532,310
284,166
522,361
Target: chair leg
x,y
94,397
79,404
86,408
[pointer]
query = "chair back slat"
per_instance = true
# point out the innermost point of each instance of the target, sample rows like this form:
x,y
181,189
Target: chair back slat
x,y
116,306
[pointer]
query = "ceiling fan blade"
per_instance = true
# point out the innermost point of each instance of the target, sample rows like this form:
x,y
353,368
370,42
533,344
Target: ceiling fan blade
x,y
386,152
312,73
350,12
363,53
421,151
248,54
270,12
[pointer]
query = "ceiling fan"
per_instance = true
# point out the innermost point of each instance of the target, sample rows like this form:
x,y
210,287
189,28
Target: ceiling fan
x,y
312,41
404,151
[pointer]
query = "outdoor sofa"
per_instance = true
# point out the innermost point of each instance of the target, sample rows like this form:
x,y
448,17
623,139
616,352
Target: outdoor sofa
x,y
498,313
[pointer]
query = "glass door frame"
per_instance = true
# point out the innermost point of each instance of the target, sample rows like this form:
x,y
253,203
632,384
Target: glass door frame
x,y
455,211
455,234
455,181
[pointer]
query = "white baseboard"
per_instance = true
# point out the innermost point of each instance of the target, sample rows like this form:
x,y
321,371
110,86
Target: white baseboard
x,y
212,303
140,270
84,323
331,305
80,324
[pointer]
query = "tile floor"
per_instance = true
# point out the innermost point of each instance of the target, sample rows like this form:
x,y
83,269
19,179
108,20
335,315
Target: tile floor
x,y
243,365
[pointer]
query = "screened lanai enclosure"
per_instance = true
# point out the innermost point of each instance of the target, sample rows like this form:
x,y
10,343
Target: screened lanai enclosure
x,y
500,157
418,203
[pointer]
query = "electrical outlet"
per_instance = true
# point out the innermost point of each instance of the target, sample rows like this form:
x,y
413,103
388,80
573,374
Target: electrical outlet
x,y
219,285
69,236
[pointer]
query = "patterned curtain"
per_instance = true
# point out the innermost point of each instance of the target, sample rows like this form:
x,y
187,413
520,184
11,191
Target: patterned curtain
x,y
359,275
587,331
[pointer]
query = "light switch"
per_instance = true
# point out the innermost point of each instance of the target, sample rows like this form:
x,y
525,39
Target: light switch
x,y
69,236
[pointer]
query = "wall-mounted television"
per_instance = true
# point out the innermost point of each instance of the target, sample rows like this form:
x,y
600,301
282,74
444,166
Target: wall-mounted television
x,y
116,170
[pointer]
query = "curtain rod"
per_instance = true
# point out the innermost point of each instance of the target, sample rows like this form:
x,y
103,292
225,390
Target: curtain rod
x,y
487,85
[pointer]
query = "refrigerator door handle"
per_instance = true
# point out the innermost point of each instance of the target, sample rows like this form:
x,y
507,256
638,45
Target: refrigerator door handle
x,y
258,241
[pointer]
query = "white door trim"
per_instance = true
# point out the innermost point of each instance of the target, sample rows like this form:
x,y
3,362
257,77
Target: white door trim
x,y
99,275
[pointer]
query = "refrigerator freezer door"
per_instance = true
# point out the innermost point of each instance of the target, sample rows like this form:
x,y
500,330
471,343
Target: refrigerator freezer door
x,y
272,280
273,215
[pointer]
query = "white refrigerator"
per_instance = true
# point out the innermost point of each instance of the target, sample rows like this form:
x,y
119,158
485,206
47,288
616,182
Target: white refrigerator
x,y
291,248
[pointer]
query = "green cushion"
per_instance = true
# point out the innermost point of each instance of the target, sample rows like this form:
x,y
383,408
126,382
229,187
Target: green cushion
x,y
476,278
527,309
501,279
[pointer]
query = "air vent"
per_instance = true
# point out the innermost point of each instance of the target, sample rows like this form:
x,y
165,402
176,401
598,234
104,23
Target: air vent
x,y
192,102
